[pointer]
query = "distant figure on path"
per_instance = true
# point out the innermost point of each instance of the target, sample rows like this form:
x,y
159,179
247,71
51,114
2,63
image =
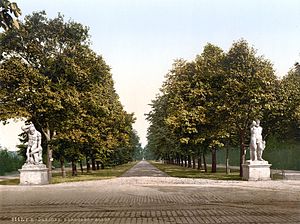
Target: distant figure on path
x,y
34,148
257,145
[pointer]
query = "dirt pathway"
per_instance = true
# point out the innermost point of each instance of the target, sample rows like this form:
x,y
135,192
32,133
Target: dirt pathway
x,y
144,169
143,196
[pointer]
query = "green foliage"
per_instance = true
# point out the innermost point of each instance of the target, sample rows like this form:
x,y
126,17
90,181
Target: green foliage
x,y
9,161
50,76
9,10
161,140
211,101
137,152
148,153
288,111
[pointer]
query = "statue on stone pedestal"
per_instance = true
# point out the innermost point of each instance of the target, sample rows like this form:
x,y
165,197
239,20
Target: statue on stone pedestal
x,y
34,148
257,145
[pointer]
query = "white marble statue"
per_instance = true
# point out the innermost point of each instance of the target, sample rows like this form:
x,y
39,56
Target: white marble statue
x,y
257,145
34,148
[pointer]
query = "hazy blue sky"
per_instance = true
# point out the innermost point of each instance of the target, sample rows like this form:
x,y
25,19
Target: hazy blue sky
x,y
139,39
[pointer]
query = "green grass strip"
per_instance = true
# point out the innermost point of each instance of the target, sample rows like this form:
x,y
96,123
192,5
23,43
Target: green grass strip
x,y
184,172
107,173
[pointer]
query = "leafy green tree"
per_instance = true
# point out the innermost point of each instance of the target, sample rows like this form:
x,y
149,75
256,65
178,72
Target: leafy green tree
x,y
210,72
148,154
213,100
135,147
45,91
288,111
249,91
194,106
62,86
126,140
161,140
182,118
9,10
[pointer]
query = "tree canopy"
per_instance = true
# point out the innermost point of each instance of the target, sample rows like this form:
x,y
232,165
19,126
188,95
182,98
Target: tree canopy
x,y
50,76
211,101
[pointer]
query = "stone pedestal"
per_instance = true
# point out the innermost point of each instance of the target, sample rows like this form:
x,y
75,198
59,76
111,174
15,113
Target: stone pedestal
x,y
256,170
33,174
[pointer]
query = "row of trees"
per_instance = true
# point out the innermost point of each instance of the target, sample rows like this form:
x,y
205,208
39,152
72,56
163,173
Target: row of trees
x,y
50,76
210,102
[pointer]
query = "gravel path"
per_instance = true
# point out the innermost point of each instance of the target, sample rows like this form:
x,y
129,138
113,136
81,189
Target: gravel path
x,y
137,198
144,169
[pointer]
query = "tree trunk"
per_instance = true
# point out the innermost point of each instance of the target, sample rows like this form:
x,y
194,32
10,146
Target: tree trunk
x,y
182,161
227,161
93,164
185,161
242,151
74,169
81,167
88,166
199,162
204,162
213,160
189,161
62,167
49,136
194,162
49,162
98,165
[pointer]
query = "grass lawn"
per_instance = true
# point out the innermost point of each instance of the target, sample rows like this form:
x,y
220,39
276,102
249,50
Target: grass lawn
x,y
10,182
183,172
107,173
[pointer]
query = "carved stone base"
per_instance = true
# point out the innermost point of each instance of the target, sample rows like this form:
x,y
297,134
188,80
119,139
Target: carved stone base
x,y
33,174
256,170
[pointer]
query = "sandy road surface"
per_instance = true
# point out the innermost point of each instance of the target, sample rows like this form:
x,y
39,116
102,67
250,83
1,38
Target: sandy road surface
x,y
146,195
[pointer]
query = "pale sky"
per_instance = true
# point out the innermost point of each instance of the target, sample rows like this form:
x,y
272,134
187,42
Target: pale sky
x,y
139,39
